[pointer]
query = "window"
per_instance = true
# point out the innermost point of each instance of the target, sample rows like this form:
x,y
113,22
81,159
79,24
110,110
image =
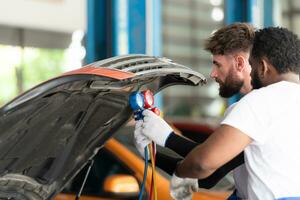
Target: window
x,y
186,25
31,56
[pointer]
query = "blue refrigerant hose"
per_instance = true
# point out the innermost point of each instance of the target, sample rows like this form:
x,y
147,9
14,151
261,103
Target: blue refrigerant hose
x,y
145,174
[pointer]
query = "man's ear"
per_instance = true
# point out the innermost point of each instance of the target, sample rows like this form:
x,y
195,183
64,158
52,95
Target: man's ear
x,y
265,68
241,62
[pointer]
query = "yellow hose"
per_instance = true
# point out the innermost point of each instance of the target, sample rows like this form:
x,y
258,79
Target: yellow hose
x,y
152,155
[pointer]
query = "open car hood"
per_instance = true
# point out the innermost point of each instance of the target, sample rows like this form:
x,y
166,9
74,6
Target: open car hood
x,y
50,132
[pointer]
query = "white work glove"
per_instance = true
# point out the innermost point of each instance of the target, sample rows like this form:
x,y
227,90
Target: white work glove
x,y
140,140
183,188
155,128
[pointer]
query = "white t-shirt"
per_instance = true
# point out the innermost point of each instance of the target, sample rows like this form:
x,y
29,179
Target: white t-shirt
x,y
240,174
271,117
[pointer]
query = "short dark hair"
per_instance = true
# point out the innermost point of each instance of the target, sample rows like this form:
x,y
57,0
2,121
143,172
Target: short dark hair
x,y
280,46
232,38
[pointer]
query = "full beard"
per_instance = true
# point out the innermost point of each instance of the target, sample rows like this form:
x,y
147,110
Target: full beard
x,y
231,86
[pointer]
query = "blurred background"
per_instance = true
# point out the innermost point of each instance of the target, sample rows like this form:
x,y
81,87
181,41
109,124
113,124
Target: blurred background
x,y
40,39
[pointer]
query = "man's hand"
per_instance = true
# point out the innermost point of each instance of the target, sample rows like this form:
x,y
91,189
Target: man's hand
x,y
183,188
155,128
140,141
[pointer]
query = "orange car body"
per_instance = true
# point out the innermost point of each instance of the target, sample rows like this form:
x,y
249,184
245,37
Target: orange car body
x,y
136,164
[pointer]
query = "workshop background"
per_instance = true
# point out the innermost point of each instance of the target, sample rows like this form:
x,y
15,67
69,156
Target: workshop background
x,y
40,39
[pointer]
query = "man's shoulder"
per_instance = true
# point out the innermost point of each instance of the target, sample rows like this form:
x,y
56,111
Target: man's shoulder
x,y
256,94
272,90
271,96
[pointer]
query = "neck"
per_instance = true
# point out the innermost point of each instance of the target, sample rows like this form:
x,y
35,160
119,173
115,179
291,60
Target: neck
x,y
290,77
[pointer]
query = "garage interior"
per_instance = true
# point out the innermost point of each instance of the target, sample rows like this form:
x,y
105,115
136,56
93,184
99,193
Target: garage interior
x,y
42,39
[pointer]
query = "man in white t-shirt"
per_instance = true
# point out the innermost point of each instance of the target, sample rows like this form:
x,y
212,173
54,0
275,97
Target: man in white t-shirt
x,y
264,124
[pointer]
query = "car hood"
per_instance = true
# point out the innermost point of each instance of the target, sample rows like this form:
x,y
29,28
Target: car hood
x,y
50,132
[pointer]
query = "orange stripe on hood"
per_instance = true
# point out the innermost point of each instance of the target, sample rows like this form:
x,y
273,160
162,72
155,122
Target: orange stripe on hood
x,y
101,71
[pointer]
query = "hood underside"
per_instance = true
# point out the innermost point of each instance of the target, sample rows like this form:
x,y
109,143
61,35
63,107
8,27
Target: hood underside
x,y
48,133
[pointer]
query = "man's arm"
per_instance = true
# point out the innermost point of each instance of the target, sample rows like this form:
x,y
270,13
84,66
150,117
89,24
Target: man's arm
x,y
221,147
180,145
183,146
168,164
